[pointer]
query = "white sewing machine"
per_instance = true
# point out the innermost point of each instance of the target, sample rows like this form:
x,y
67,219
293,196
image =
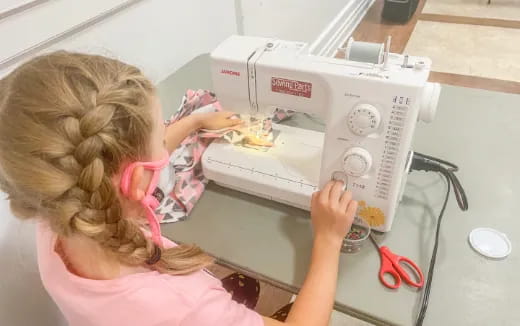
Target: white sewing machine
x,y
370,111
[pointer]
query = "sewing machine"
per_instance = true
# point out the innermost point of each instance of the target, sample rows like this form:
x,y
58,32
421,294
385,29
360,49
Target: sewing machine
x,y
370,110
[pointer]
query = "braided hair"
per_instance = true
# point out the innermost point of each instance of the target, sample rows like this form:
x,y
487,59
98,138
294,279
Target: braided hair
x,y
68,124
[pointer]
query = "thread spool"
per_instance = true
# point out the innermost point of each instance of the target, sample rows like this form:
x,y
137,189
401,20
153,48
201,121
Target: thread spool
x,y
364,51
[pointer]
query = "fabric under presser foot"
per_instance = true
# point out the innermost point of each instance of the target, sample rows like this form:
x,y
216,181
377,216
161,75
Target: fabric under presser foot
x,y
255,132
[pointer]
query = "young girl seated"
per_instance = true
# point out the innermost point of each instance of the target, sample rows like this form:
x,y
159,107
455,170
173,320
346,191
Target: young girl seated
x,y
82,145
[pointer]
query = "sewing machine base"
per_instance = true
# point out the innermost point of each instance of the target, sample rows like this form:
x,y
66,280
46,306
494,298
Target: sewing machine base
x,y
279,174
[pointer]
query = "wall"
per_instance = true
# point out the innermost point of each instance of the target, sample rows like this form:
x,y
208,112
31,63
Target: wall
x,y
325,25
157,35
161,35
46,20
298,20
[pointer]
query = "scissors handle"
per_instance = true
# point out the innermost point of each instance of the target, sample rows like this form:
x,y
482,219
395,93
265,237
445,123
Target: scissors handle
x,y
390,264
404,274
394,274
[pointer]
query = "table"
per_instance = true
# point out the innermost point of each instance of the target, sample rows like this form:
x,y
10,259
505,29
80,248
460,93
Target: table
x,y
479,130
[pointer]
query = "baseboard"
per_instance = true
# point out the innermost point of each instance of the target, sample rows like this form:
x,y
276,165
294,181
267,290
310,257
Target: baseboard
x,y
339,30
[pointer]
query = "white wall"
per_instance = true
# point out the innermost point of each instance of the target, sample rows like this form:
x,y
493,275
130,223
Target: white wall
x,y
157,35
22,31
325,25
7,5
161,35
295,20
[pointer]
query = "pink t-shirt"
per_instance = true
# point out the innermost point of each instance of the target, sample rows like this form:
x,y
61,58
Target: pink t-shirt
x,y
143,299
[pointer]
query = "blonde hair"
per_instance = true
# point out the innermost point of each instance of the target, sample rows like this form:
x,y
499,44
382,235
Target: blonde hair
x,y
68,123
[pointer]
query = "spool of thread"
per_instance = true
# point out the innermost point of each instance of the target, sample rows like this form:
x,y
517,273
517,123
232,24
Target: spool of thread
x,y
364,52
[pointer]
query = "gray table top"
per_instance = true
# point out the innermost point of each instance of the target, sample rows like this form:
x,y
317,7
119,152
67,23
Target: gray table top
x,y
478,130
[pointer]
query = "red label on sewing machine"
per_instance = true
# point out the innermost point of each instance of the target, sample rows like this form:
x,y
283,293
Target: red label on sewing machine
x,y
291,87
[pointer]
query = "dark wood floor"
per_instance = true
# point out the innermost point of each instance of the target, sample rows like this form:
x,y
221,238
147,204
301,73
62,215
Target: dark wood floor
x,y
373,28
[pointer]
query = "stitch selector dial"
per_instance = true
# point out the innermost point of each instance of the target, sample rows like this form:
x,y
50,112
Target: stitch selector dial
x,y
364,119
357,161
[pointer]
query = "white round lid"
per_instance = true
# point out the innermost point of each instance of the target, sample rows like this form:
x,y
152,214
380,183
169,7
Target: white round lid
x,y
490,243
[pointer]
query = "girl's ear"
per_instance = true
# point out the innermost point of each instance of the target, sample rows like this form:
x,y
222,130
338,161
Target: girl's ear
x,y
136,192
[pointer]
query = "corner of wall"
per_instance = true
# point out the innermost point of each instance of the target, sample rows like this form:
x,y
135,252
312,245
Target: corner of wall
x,y
341,28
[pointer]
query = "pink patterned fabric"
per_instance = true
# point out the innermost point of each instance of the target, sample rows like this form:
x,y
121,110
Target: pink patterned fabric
x,y
186,159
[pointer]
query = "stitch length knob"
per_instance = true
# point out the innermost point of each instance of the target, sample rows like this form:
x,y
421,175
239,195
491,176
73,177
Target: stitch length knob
x,y
357,161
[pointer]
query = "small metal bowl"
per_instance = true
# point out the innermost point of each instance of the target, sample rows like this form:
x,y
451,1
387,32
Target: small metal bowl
x,y
359,232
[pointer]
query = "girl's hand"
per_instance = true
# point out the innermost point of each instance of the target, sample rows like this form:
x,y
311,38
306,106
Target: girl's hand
x,y
216,120
332,212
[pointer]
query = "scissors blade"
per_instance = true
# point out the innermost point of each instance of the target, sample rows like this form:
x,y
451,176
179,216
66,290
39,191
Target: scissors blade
x,y
374,241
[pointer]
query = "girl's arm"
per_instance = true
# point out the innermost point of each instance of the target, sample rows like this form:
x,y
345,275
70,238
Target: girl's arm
x,y
179,130
332,216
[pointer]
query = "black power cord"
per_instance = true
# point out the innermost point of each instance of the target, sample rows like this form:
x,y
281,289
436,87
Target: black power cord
x,y
422,162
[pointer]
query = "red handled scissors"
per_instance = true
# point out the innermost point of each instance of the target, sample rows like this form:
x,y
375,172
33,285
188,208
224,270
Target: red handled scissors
x,y
391,264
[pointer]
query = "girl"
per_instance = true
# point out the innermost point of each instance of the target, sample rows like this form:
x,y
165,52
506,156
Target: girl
x,y
82,143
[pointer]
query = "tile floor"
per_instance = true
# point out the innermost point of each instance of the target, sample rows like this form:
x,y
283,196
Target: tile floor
x,y
498,9
472,50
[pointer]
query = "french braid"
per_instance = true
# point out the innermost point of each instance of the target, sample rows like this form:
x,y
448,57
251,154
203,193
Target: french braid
x,y
68,123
